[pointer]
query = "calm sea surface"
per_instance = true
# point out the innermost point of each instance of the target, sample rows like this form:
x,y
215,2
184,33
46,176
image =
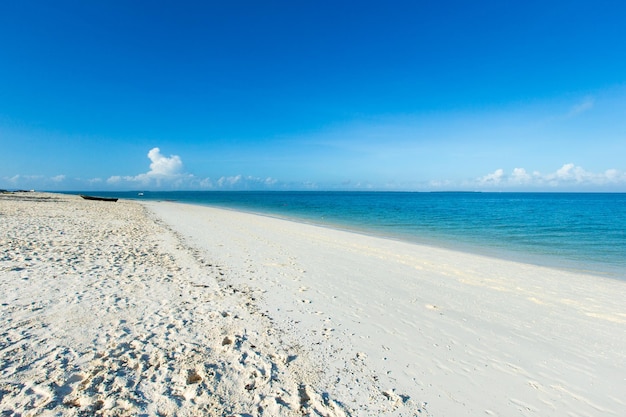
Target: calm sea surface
x,y
581,232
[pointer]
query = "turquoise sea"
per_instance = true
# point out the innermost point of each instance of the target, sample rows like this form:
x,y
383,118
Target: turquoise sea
x,y
574,231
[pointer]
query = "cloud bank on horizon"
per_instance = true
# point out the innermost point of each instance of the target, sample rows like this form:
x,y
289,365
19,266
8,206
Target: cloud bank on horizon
x,y
569,175
167,173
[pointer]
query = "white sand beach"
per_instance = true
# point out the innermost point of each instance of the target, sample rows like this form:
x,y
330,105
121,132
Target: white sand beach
x,y
165,309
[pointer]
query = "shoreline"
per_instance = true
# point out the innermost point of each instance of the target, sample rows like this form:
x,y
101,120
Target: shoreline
x,y
510,255
157,307
593,263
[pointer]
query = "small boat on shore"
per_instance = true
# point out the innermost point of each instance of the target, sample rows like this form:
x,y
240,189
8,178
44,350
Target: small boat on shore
x,y
90,197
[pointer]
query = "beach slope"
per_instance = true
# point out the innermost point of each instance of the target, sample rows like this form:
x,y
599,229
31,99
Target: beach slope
x,y
457,333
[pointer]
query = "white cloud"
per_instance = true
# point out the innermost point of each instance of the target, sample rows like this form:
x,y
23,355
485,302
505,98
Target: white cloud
x,y
520,176
567,176
164,171
569,172
228,181
38,182
163,166
493,178
612,174
238,182
19,179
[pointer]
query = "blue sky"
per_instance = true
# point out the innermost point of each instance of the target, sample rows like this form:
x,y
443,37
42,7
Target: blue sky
x,y
394,95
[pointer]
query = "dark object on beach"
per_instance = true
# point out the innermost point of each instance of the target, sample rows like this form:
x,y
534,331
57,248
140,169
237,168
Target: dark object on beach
x,y
90,197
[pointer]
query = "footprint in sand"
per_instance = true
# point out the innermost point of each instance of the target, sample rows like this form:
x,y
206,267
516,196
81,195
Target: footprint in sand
x,y
193,377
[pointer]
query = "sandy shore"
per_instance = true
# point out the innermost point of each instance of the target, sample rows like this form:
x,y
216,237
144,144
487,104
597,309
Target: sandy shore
x,y
167,309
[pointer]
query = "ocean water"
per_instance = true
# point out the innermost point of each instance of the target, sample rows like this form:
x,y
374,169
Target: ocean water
x,y
574,231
